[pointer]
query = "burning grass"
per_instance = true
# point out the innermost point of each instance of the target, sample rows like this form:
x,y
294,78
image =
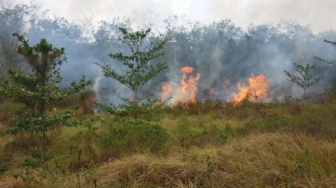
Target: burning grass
x,y
255,91
186,91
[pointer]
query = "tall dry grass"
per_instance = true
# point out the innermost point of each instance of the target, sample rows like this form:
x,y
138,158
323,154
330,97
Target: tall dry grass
x,y
262,160
207,145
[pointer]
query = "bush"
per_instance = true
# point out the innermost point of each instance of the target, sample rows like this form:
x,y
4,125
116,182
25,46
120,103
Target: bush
x,y
2,98
309,118
206,135
127,138
7,115
265,125
85,102
31,162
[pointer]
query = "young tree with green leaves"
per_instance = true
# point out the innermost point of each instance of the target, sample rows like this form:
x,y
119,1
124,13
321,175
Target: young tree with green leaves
x,y
38,91
330,62
138,69
305,79
331,91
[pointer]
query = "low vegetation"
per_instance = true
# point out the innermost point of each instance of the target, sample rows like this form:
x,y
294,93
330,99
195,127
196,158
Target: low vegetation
x,y
290,144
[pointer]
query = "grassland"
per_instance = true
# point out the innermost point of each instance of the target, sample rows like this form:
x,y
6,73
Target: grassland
x,y
289,144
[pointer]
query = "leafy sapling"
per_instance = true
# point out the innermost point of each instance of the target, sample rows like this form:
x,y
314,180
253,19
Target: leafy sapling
x,y
331,62
138,69
306,78
38,91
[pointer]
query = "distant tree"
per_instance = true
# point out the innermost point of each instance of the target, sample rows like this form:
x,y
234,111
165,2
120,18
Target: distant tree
x,y
138,69
13,18
38,91
305,79
146,18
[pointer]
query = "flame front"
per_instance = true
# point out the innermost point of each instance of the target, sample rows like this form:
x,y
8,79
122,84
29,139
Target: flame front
x,y
166,90
256,90
185,92
188,85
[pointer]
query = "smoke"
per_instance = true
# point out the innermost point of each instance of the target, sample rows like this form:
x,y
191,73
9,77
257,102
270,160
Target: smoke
x,y
319,15
221,52
264,49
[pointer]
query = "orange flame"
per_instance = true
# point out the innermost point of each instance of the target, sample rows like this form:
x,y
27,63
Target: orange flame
x,y
187,90
166,90
186,69
256,89
188,86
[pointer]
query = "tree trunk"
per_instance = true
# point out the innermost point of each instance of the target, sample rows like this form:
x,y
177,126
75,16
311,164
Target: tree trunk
x,y
136,110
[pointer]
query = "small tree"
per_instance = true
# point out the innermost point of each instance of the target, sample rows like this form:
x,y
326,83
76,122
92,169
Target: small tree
x,y
138,70
38,91
331,91
305,79
330,62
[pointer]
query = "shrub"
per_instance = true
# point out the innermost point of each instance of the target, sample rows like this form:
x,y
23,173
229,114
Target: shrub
x,y
38,91
31,162
127,138
205,135
138,69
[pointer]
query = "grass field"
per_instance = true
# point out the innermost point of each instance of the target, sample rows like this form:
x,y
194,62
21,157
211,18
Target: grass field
x,y
289,144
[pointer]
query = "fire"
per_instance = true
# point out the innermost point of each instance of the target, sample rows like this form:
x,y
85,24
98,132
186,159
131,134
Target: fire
x,y
186,70
186,91
189,86
256,89
166,90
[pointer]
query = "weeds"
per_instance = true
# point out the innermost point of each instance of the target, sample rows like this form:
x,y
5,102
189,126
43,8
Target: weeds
x,y
205,145
259,163
127,138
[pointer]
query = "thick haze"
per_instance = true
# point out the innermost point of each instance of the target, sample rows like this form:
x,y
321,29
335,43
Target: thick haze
x,y
223,46
320,15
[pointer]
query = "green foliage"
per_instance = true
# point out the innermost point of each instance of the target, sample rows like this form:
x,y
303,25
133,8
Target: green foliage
x,y
38,91
309,119
201,149
330,94
305,79
212,134
330,62
31,162
132,138
84,101
12,19
138,69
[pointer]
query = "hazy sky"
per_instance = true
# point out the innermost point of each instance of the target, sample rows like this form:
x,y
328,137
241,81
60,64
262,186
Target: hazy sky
x,y
319,14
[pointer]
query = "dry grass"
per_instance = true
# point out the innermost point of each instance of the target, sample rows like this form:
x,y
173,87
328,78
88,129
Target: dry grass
x,y
144,171
265,160
39,178
280,145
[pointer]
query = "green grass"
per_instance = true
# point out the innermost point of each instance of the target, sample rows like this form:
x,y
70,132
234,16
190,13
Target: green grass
x,y
206,145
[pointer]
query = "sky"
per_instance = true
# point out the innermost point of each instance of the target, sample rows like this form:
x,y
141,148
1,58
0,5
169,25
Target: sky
x,y
320,15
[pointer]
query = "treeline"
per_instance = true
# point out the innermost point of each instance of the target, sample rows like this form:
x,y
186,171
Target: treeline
x,y
219,51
